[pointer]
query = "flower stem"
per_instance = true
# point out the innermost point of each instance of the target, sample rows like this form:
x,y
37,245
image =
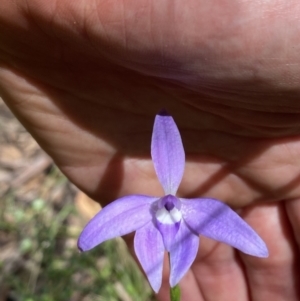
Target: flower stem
x,y
174,291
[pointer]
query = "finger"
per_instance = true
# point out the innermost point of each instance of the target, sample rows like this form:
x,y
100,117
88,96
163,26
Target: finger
x,y
276,277
217,269
293,211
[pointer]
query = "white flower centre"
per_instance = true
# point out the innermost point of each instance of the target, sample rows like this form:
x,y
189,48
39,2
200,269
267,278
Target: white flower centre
x,y
168,217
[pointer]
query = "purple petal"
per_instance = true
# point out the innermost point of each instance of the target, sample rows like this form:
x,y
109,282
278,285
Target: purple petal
x,y
168,232
149,249
183,253
167,153
216,220
120,217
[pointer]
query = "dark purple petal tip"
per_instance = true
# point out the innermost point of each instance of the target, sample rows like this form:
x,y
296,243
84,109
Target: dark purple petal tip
x,y
163,112
79,248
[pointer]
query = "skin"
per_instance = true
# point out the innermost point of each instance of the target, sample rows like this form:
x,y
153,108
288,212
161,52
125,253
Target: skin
x,y
86,78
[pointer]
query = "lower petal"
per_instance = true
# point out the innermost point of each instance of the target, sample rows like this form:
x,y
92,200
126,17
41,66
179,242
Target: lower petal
x,y
149,249
183,253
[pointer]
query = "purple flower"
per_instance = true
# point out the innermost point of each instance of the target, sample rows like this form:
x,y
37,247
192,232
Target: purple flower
x,y
169,223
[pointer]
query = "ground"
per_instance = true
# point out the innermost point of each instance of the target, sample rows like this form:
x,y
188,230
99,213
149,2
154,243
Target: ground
x,y
41,216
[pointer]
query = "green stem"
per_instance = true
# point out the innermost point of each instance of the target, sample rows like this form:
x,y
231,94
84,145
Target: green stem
x,y
174,291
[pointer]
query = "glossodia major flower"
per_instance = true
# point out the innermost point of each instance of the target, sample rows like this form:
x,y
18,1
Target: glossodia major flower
x,y
169,223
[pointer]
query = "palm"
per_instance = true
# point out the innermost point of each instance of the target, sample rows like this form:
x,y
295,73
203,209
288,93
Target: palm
x,y
87,80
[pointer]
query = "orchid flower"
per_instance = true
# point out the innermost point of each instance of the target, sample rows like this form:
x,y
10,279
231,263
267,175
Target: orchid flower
x,y
169,223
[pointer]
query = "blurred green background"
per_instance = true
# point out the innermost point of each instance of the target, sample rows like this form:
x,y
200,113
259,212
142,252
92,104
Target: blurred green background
x,y
41,216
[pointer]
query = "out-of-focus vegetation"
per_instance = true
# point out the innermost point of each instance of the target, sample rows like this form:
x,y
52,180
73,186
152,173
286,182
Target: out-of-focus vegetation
x,y
39,226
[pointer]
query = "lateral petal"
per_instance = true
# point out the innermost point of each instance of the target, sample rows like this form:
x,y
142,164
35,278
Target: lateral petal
x,y
167,153
149,249
216,220
183,253
120,217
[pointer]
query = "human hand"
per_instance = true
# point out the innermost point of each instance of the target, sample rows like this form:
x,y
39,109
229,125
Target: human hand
x,y
87,78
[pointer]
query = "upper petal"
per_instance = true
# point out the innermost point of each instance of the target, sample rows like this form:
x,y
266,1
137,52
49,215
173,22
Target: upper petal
x,y
218,221
183,253
120,217
149,249
167,153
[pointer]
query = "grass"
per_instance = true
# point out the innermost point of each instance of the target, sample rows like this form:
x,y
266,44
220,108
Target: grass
x,y
39,259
